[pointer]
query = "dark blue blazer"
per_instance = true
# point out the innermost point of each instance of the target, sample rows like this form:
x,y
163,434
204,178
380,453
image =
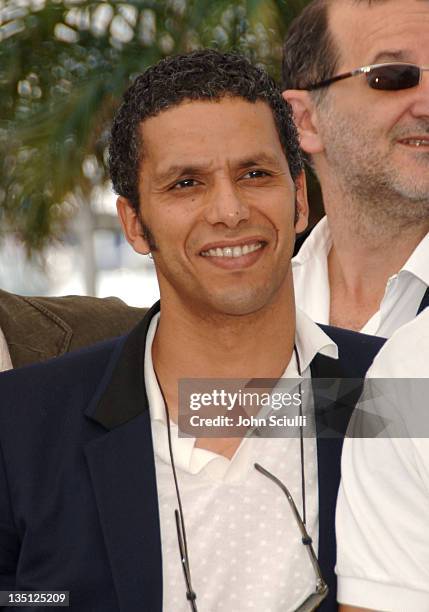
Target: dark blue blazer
x,y
78,493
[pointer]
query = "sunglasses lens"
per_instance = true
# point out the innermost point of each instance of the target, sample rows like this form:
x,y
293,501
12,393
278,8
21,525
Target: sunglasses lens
x,y
393,77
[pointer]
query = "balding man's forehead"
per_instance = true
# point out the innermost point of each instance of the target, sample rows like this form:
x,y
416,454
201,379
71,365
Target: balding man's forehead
x,y
367,31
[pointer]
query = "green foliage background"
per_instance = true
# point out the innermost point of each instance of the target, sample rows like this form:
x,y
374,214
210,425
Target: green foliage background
x,y
63,68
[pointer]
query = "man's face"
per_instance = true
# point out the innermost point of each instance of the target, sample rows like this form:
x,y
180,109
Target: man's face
x,y
219,202
377,142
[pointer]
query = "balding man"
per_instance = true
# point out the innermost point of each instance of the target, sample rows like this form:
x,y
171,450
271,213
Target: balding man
x,y
356,75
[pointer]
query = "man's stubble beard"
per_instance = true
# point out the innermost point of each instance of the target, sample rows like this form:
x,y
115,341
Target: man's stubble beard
x,y
241,303
147,234
374,189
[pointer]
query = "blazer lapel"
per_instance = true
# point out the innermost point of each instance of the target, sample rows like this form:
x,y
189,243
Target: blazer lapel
x,y
122,470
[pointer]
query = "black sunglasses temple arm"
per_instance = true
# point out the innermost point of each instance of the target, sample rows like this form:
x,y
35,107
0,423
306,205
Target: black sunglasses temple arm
x,y
306,539
334,79
190,594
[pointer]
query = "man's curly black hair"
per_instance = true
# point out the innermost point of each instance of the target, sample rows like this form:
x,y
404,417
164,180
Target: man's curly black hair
x,y
201,75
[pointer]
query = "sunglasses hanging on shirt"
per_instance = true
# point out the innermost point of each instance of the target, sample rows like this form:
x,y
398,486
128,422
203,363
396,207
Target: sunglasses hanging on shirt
x,y
313,601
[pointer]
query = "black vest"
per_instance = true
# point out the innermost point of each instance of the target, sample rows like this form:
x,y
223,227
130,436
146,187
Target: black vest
x,y
356,352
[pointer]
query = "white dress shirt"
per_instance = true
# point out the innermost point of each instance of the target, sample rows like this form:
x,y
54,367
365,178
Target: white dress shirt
x,y
244,545
403,294
5,361
383,502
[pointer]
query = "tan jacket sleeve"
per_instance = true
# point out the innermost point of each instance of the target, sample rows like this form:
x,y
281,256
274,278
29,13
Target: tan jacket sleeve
x,y
39,328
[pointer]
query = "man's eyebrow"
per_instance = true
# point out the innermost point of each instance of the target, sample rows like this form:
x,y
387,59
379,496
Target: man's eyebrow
x,y
257,160
389,55
177,170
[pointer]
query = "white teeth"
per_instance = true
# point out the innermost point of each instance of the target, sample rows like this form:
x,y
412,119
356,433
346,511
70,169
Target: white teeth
x,y
236,251
417,142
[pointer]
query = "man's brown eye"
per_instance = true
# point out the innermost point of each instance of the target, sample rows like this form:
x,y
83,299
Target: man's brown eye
x,y
256,174
185,183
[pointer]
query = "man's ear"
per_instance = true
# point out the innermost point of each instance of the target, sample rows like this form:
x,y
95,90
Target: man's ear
x,y
131,225
305,117
301,203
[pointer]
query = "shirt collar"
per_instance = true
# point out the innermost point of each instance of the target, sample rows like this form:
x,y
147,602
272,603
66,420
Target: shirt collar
x,y
186,457
318,244
417,263
310,339
156,402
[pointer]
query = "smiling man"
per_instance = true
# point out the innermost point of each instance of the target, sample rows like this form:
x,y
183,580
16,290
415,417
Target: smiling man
x,y
205,159
214,213
356,74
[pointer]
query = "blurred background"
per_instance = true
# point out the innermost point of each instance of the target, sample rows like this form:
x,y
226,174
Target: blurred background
x,y
63,68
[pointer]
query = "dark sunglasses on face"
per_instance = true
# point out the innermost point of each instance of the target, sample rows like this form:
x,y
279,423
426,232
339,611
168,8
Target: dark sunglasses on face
x,y
384,77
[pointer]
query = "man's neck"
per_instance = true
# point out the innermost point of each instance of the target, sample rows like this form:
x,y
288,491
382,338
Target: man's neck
x,y
366,252
189,345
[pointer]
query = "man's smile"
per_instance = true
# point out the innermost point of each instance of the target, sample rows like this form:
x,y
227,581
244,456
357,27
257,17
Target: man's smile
x,y
236,254
415,141
233,250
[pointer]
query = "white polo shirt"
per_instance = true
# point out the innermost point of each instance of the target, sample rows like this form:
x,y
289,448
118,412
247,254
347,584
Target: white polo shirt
x,y
383,504
244,545
5,361
402,297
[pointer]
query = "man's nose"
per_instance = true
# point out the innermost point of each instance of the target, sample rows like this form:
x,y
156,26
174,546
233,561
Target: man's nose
x,y
226,205
420,100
